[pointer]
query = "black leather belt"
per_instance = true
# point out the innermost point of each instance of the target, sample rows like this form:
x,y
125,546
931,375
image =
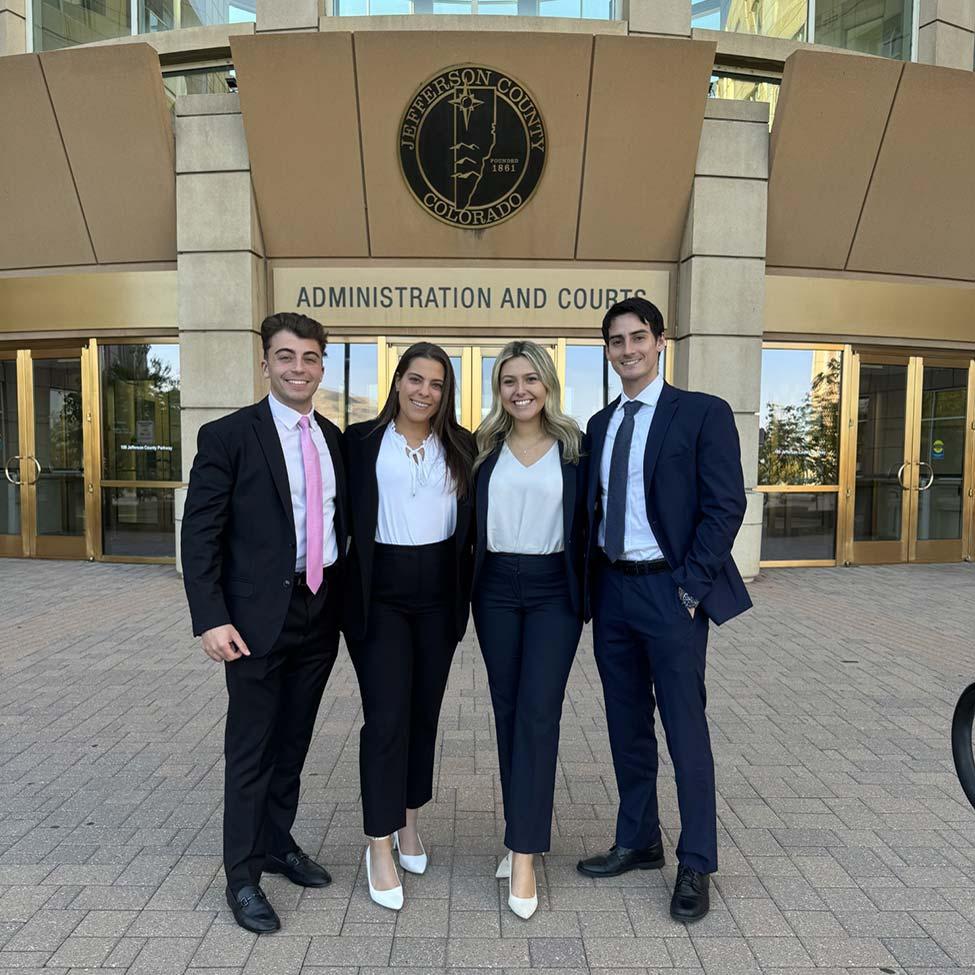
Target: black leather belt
x,y
301,578
637,568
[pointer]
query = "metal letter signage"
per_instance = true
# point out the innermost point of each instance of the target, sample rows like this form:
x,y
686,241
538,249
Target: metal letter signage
x,y
472,146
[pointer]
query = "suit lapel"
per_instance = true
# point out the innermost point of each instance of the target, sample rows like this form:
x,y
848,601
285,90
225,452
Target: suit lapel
x,y
338,465
568,496
267,435
600,424
481,494
662,415
371,443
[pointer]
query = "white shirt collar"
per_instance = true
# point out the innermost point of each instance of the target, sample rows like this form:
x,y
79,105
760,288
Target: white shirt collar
x,y
285,414
648,395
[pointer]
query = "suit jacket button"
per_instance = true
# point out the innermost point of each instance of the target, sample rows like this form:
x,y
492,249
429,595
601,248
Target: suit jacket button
x,y
287,583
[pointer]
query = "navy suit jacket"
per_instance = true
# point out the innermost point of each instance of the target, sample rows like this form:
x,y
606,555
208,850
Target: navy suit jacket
x,y
574,478
695,496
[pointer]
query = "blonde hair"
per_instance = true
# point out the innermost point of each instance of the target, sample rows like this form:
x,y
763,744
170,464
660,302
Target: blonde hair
x,y
496,426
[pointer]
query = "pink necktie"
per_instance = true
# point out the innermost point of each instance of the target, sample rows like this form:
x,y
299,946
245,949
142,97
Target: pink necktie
x,y
314,551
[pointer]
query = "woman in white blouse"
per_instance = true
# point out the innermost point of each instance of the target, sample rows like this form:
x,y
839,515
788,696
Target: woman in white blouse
x,y
528,594
407,599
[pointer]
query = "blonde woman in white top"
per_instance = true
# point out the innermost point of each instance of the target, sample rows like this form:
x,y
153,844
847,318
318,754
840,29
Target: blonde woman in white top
x,y
527,603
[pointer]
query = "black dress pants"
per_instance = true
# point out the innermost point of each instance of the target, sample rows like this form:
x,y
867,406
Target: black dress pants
x,y
273,703
528,633
403,663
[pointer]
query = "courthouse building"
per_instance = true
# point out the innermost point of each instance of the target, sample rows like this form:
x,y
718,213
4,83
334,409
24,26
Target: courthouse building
x,y
791,181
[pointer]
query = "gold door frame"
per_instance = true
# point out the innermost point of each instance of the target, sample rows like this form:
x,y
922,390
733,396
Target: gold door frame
x,y
18,545
908,548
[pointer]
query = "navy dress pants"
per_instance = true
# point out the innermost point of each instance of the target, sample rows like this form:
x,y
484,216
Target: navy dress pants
x,y
528,634
649,651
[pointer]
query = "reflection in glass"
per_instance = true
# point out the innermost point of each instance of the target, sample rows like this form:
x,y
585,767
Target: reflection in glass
x,y
942,452
138,521
349,393
583,392
589,9
798,527
799,423
457,363
140,412
883,27
9,447
487,366
772,18
744,89
156,15
64,23
880,452
58,446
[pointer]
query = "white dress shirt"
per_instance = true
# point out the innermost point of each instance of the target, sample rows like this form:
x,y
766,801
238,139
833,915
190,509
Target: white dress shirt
x,y
639,544
286,423
417,497
525,505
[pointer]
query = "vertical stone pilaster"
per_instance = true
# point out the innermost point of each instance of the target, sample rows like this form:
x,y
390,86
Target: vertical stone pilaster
x,y
721,285
946,33
670,18
275,16
221,272
13,26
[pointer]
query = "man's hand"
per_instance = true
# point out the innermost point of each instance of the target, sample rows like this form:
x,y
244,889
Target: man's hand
x,y
224,643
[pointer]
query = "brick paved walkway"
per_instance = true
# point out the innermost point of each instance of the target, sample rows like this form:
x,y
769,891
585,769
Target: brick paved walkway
x,y
846,843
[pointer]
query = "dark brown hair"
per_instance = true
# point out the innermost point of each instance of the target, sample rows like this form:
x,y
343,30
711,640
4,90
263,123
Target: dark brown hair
x,y
646,311
457,448
303,326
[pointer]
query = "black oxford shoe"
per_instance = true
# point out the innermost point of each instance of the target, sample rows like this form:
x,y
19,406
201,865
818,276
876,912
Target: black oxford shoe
x,y
299,868
620,860
691,900
252,910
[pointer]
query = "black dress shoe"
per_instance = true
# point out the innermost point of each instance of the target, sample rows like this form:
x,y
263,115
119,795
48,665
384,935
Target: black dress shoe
x,y
620,860
690,901
299,868
252,910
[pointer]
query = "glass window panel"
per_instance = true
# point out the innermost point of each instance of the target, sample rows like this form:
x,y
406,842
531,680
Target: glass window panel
x,y
445,7
772,18
212,81
942,455
138,521
746,90
598,9
387,7
881,411
157,15
799,423
64,23
349,393
59,446
507,8
487,366
140,412
583,390
797,527
559,8
883,27
9,448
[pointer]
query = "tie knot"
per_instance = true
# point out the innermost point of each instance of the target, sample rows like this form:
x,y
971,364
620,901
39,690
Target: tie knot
x,y
304,422
632,408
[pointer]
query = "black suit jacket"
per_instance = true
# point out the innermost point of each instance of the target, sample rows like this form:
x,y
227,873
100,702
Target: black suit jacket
x,y
695,495
574,521
238,540
361,444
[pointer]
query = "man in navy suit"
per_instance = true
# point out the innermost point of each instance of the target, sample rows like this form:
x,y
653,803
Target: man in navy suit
x,y
666,498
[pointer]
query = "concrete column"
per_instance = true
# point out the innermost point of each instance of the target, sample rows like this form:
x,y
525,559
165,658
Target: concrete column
x,y
275,16
721,285
946,33
13,26
221,271
668,18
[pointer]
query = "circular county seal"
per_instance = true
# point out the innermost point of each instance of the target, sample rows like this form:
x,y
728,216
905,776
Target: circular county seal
x,y
472,146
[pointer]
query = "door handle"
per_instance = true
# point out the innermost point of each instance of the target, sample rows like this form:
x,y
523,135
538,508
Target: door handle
x,y
924,487
6,470
900,475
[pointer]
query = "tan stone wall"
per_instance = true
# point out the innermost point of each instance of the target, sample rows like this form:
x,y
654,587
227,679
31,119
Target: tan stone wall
x,y
13,27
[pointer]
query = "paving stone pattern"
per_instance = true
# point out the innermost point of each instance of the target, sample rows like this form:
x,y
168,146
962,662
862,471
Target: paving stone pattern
x,y
845,841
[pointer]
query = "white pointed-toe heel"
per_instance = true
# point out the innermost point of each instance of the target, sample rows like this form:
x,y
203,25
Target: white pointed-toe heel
x,y
410,863
524,907
393,899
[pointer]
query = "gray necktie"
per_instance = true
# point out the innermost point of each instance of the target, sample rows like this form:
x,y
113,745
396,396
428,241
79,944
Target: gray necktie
x,y
619,468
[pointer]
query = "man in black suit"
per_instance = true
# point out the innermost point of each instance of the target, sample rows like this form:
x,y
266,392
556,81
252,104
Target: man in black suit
x,y
263,548
666,498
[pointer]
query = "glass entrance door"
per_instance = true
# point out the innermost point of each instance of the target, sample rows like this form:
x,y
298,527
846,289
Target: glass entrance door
x,y
912,496
43,428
